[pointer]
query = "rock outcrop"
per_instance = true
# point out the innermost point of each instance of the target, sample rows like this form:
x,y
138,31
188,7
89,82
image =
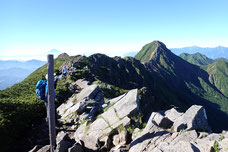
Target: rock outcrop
x,y
91,124
194,118
88,102
64,56
117,115
190,138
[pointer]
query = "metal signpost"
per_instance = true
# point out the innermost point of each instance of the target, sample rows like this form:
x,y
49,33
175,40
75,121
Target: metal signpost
x,y
51,103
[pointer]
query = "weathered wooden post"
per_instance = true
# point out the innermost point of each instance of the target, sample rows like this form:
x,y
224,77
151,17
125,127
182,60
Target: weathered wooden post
x,y
51,103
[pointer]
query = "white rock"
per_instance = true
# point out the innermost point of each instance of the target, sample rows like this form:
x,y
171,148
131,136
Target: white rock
x,y
173,114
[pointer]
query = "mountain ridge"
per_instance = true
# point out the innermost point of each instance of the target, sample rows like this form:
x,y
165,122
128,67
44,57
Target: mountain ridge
x,y
163,79
197,58
213,53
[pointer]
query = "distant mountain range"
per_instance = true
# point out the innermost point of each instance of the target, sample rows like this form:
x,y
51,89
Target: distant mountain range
x,y
12,71
30,64
213,53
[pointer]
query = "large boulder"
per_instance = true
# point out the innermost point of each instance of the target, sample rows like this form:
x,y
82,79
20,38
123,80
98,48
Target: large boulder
x,y
125,107
76,148
148,141
184,146
188,136
88,92
44,149
194,118
62,141
113,101
173,114
128,105
165,142
150,129
161,121
142,140
120,139
223,145
117,115
225,134
89,100
204,145
63,107
155,138
213,137
91,133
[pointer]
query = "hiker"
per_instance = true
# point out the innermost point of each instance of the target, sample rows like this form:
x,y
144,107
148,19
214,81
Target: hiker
x,y
40,88
64,72
42,91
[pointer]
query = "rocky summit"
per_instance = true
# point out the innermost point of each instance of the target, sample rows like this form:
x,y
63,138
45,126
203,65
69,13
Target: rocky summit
x,y
89,123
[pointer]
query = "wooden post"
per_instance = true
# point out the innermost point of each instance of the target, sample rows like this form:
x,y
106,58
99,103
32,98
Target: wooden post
x,y
51,103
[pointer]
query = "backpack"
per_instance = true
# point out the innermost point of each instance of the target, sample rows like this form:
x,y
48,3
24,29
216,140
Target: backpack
x,y
40,89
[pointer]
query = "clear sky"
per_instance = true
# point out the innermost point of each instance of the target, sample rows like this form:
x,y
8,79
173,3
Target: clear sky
x,y
113,27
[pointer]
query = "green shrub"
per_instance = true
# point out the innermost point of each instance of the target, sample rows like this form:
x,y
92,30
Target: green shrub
x,y
79,74
216,149
183,130
120,128
110,91
130,128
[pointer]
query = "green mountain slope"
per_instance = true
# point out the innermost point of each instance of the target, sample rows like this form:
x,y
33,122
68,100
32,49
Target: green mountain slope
x,y
128,73
191,83
223,59
196,58
218,75
146,51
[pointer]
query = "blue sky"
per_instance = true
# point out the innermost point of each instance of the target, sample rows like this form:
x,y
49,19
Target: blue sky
x,y
33,27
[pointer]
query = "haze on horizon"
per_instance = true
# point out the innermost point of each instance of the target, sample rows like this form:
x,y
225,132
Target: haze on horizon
x,y
32,28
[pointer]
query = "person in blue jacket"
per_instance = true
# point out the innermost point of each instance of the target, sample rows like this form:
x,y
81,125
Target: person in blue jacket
x,y
64,72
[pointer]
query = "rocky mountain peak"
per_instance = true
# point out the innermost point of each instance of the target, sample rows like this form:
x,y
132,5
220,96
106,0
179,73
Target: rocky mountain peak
x,y
151,51
159,50
64,56
160,44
